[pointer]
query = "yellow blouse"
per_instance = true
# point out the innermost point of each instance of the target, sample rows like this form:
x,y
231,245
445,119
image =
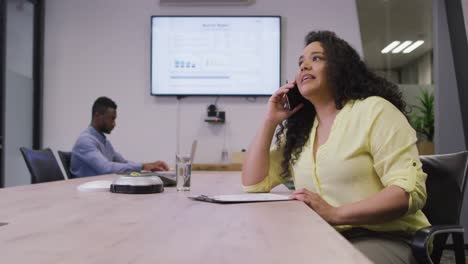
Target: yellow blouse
x,y
371,146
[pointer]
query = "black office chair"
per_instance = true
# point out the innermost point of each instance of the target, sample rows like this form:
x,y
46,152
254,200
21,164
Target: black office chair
x,y
65,158
445,184
42,165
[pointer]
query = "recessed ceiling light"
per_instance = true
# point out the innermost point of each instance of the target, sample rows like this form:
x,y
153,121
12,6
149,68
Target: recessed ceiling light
x,y
413,46
390,46
402,46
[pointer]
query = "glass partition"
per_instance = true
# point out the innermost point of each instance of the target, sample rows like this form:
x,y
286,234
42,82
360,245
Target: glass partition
x,y
397,40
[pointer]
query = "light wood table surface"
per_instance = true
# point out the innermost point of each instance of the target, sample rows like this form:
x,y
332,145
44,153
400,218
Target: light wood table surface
x,y
217,166
56,223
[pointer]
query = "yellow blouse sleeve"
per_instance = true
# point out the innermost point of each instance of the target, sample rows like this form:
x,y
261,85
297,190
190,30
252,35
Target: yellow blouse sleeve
x,y
392,143
273,178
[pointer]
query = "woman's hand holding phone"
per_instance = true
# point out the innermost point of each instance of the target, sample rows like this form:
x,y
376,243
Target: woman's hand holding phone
x,y
277,105
293,98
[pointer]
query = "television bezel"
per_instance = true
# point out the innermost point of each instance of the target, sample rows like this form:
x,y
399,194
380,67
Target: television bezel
x,y
213,94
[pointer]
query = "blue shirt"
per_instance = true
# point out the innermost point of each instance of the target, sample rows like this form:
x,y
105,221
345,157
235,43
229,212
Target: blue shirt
x,y
94,155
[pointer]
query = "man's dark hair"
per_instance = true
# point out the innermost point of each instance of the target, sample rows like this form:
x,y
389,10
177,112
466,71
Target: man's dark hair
x,y
101,104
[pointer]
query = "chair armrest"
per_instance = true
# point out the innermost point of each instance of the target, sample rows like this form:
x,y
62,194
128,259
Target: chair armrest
x,y
422,238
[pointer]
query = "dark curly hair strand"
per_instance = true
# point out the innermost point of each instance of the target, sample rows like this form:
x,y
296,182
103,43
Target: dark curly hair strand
x,y
349,78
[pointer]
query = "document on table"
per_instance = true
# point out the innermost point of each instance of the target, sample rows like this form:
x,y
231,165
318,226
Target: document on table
x,y
242,198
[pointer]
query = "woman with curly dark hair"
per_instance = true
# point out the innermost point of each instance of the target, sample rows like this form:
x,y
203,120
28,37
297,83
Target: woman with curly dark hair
x,y
349,149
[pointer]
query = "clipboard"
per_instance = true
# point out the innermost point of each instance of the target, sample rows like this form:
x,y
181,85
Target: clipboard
x,y
242,198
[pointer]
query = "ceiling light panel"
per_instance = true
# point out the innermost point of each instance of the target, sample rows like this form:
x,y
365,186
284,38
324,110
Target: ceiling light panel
x,y
390,46
413,46
402,46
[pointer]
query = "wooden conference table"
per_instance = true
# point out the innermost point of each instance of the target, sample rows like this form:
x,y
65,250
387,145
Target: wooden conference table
x,y
56,223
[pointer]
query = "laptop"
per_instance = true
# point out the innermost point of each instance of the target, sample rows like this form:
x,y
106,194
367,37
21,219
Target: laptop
x,y
169,177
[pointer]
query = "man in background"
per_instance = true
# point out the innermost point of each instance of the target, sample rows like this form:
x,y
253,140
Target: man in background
x,y
93,154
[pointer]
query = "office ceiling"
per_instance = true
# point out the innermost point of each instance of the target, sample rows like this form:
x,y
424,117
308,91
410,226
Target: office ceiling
x,y
383,21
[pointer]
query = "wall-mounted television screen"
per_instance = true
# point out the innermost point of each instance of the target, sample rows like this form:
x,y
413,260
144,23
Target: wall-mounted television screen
x,y
215,55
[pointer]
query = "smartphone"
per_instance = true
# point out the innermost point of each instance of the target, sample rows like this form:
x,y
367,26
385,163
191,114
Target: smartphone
x,y
293,98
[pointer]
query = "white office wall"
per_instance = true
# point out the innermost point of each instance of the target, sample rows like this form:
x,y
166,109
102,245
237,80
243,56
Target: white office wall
x,y
419,71
101,47
425,69
391,75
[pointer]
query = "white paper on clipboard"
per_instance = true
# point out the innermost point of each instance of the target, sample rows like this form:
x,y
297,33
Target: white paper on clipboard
x,y
242,198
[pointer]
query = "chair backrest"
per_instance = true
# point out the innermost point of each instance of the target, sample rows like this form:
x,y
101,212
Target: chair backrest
x,y
42,165
446,180
65,157
445,184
